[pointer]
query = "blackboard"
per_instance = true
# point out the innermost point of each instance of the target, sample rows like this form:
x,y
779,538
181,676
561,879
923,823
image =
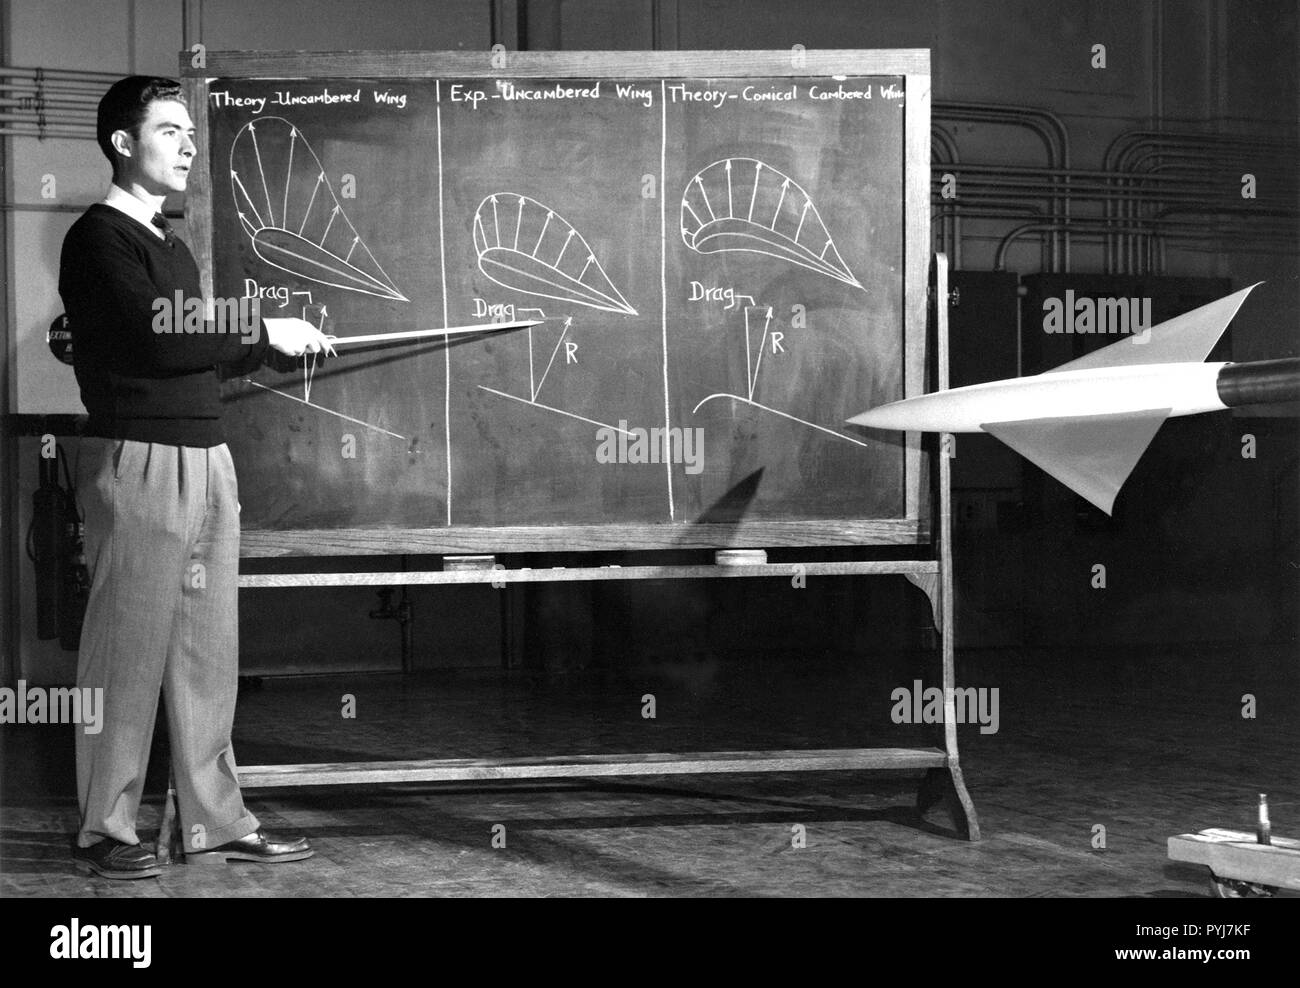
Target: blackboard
x,y
728,251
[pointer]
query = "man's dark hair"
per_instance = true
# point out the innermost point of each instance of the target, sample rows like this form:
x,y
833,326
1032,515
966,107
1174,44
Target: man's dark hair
x,y
124,107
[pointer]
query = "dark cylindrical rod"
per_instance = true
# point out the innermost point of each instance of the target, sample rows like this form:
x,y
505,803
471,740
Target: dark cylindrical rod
x,y
1259,382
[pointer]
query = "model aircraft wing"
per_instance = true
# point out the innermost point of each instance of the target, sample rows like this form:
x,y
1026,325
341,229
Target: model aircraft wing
x,y
1188,338
1092,455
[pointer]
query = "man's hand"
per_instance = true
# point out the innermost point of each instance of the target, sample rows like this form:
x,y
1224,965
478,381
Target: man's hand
x,y
294,337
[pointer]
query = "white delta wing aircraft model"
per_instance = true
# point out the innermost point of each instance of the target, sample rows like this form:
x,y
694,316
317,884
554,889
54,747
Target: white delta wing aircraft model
x,y
1088,422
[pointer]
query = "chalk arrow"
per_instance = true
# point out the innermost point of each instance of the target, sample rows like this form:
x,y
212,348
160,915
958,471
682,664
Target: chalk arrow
x,y
705,196
802,216
240,182
261,171
293,139
779,203
560,257
334,212
311,202
541,235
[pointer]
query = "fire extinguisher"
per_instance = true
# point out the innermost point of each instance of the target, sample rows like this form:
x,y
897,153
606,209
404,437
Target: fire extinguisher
x,y
56,546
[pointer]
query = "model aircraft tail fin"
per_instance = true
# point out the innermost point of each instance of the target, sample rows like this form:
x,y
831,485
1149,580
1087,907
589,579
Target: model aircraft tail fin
x,y
1188,338
1092,455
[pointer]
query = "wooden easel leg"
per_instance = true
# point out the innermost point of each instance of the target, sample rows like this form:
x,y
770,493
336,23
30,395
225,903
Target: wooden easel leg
x,y
169,843
946,786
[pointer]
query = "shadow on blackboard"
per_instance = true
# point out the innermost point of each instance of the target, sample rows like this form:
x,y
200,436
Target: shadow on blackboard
x,y
732,506
351,367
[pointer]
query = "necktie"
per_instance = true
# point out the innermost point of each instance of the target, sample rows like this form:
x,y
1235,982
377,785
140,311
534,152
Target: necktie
x,y
160,221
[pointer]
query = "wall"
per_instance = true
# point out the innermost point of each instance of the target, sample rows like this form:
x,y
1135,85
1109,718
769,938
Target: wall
x,y
1202,65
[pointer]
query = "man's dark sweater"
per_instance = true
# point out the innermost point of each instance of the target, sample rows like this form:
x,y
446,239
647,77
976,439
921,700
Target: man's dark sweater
x,y
137,383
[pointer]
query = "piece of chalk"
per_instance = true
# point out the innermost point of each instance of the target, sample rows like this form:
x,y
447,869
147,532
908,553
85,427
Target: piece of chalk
x,y
460,564
740,557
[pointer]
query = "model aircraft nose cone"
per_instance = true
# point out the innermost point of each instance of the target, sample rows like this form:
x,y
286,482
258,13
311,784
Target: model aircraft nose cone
x,y
872,418
895,415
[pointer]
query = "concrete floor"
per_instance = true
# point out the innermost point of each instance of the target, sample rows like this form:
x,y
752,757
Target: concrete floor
x,y
1146,743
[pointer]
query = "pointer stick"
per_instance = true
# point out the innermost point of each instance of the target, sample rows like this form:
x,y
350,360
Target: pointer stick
x,y
424,334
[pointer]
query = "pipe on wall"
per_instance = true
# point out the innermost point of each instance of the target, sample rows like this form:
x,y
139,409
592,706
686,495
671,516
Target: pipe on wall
x,y
1147,177
1050,130
55,102
1137,147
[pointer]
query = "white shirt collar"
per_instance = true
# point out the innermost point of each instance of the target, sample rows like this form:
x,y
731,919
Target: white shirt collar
x,y
123,201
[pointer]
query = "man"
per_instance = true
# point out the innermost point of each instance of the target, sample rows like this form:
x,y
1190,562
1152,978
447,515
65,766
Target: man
x,y
157,485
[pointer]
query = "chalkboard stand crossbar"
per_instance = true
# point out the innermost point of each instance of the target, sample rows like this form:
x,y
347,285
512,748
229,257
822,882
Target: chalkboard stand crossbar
x,y
590,766
916,570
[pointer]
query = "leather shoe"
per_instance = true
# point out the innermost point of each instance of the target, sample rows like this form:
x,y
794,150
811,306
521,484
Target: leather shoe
x,y
257,846
113,859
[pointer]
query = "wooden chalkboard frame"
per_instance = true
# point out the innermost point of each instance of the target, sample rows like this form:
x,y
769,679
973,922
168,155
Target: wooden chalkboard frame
x,y
914,527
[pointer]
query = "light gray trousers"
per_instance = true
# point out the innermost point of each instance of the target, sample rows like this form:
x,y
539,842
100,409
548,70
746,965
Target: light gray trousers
x,y
162,546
